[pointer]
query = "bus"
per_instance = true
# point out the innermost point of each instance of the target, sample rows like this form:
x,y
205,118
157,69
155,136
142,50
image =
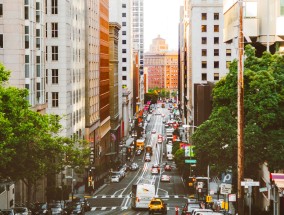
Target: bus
x,y
148,149
141,195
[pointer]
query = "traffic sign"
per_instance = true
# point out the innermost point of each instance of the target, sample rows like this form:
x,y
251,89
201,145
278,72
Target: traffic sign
x,y
250,183
263,189
232,197
227,178
225,188
190,161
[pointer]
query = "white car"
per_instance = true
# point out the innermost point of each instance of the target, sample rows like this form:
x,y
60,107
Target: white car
x,y
170,157
165,178
114,178
155,171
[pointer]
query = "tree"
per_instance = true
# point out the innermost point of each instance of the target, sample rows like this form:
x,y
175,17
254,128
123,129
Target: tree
x,y
216,139
30,145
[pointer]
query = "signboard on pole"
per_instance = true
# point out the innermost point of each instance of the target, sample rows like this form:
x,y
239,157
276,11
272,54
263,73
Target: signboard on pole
x,y
190,161
225,188
232,197
250,183
227,178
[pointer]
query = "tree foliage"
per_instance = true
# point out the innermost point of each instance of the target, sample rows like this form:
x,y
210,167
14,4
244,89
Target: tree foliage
x,y
216,138
30,145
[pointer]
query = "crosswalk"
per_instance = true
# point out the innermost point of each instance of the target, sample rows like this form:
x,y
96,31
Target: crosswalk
x,y
128,196
121,208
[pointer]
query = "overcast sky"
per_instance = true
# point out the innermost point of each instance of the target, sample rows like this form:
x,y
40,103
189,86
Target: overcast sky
x,y
161,17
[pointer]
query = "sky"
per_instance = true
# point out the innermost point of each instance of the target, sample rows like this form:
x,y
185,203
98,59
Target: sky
x,y
161,17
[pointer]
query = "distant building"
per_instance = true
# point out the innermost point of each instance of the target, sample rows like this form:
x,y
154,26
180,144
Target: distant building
x,y
161,66
7,194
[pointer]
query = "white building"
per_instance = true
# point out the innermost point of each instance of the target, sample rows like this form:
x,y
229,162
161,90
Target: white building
x,y
207,56
120,11
22,47
65,64
138,42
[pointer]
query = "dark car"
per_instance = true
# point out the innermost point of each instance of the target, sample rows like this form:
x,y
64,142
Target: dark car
x,y
77,208
7,212
84,202
55,209
39,209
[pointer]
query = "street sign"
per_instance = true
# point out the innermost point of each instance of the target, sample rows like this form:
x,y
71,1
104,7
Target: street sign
x,y
190,161
250,183
225,188
232,197
263,189
227,178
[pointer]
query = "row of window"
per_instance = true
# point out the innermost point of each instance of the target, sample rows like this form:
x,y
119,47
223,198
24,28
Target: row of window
x,y
204,28
215,16
216,52
204,40
216,64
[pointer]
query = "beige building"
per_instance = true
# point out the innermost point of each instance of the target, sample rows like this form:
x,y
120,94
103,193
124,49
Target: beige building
x,y
161,66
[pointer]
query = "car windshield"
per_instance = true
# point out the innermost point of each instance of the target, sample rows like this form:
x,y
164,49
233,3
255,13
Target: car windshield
x,y
155,202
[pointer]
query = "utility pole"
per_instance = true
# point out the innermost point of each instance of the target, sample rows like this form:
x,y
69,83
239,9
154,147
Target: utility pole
x,y
240,113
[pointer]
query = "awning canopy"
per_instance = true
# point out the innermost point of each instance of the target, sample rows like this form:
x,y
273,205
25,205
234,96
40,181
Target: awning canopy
x,y
278,178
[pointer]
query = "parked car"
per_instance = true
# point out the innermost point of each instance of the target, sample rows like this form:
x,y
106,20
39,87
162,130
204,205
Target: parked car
x,y
114,178
77,208
7,211
85,203
56,208
189,207
22,211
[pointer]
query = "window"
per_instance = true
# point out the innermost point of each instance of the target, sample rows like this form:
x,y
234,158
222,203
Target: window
x,y
38,66
204,64
228,52
46,97
124,69
123,14
54,29
204,52
54,54
216,52
54,7
204,40
1,10
55,99
46,53
204,16
216,28
282,7
27,67
123,23
123,32
204,76
228,64
203,28
54,76
216,76
216,64
123,5
216,16
46,76
124,59
1,41
216,40
124,51
26,12
123,41
124,78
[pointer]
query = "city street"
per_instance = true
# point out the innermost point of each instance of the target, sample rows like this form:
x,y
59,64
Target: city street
x,y
115,197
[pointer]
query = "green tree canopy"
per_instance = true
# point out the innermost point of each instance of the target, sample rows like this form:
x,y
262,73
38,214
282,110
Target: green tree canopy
x,y
216,139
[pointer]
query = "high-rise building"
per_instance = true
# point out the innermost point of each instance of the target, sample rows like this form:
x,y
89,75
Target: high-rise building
x,y
22,44
121,12
161,66
138,44
263,24
104,145
206,57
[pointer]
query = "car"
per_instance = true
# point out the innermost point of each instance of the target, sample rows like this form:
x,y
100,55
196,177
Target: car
x,y
154,171
134,166
84,202
39,209
170,142
157,205
201,211
156,166
153,131
189,207
21,210
147,158
168,167
148,154
77,208
7,212
115,178
55,208
170,157
165,178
